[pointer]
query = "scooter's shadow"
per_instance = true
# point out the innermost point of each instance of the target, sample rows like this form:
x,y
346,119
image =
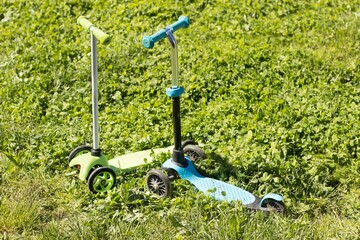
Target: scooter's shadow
x,y
217,167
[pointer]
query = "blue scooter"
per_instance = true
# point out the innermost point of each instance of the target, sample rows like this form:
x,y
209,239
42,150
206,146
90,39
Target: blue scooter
x,y
181,165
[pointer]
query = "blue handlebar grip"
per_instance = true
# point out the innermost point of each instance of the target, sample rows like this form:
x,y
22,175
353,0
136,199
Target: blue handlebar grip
x,y
149,41
182,22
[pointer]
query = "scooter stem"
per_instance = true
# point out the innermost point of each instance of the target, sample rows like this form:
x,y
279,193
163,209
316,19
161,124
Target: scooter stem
x,y
178,153
94,83
174,58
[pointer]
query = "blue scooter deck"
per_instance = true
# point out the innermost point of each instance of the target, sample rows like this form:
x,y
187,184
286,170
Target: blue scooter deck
x,y
215,188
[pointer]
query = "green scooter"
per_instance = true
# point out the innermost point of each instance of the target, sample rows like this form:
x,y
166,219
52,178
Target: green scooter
x,y
91,164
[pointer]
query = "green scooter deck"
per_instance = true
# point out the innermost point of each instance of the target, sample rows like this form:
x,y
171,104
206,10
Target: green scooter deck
x,y
133,160
121,163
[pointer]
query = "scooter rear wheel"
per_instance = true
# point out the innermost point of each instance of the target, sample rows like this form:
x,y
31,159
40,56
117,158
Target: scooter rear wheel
x,y
274,206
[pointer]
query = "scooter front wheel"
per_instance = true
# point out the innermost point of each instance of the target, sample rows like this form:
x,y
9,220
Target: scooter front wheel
x,y
194,152
188,142
101,180
171,173
79,150
157,182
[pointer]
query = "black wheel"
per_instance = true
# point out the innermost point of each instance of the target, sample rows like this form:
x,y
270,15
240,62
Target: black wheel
x,y
101,180
77,150
93,169
274,206
171,174
194,153
158,183
187,142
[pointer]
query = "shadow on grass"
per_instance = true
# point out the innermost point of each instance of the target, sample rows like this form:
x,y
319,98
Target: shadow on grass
x,y
217,167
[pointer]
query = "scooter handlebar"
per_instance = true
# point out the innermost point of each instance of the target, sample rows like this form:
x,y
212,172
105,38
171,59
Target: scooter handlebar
x,y
149,41
100,35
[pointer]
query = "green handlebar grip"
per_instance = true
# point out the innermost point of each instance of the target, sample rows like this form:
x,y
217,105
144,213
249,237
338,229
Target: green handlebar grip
x,y
100,35
84,22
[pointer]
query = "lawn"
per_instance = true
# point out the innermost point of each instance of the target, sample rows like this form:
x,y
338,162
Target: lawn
x,y
272,91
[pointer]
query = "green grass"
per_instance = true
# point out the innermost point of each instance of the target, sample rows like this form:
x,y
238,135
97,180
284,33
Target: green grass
x,y
271,89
